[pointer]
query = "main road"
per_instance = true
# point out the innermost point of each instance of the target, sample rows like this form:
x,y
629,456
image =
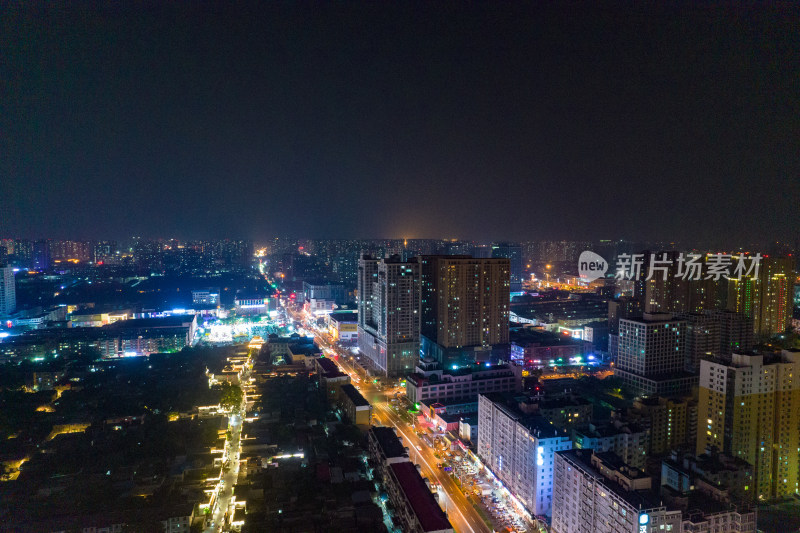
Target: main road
x,y
222,510
464,517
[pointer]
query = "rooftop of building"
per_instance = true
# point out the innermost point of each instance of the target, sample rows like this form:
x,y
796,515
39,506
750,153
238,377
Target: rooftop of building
x,y
667,376
641,500
538,425
327,365
354,396
388,441
173,321
614,462
476,372
525,336
654,318
457,417
452,402
611,429
344,316
425,507
561,402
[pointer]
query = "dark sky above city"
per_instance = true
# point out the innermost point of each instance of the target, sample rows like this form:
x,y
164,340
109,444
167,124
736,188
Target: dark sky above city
x,y
348,119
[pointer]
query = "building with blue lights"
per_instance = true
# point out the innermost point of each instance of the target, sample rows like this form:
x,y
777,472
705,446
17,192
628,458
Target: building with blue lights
x,y
519,449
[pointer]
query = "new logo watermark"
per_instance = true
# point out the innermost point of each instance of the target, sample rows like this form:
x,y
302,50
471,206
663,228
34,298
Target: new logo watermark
x,y
690,266
591,266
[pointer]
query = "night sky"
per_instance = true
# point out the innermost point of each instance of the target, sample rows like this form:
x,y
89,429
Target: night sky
x,y
344,119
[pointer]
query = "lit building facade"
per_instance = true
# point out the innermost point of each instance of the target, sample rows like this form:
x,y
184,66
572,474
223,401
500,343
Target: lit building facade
x,y
519,450
8,291
389,314
651,355
750,409
767,299
465,305
594,494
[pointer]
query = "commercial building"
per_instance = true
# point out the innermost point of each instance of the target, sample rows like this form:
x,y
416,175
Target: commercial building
x,y
431,383
325,291
144,336
767,297
535,348
206,296
389,314
750,409
518,448
249,304
652,355
465,308
8,291
343,326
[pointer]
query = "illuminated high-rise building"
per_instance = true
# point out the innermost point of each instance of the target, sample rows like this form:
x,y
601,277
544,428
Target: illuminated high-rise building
x,y
668,292
750,409
465,307
512,252
651,355
767,298
389,314
41,254
8,292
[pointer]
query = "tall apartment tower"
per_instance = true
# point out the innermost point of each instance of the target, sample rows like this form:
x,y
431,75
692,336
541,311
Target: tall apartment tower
x,y
513,252
623,307
750,409
715,334
652,355
465,308
389,314
8,292
702,338
767,299
735,333
669,293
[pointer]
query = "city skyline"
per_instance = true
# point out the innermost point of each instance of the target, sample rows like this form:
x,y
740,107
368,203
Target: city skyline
x,y
416,267
213,121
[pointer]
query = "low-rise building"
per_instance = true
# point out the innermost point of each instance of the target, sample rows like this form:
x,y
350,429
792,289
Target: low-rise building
x,y
430,382
330,377
356,409
417,509
343,326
